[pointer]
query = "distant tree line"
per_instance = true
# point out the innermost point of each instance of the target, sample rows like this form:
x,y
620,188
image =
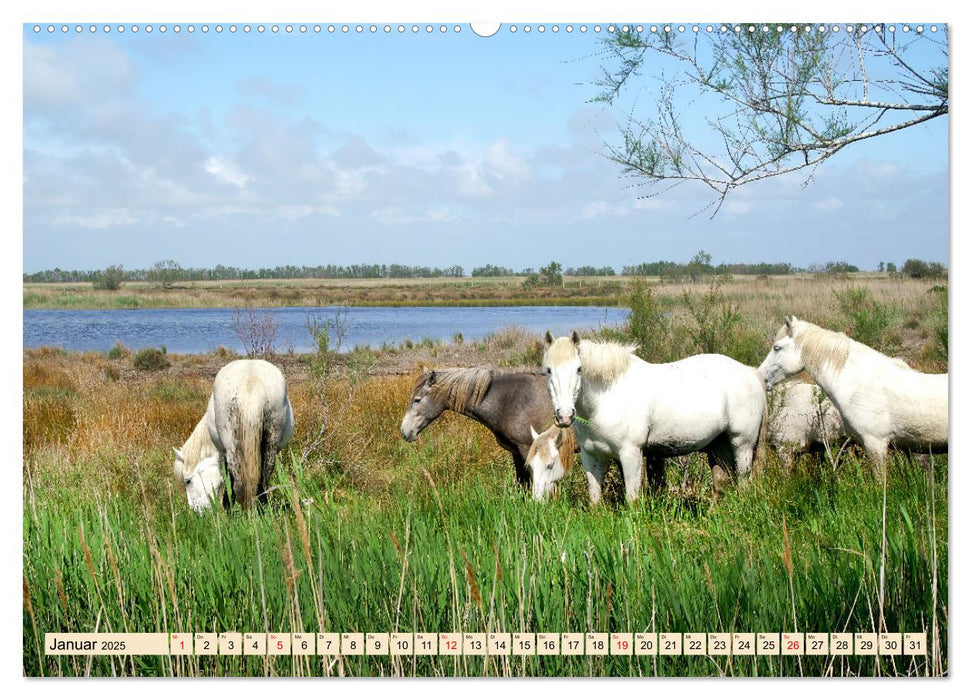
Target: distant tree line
x,y
700,266
167,273
582,271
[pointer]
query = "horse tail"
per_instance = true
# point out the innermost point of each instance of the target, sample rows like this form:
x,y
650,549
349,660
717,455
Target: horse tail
x,y
249,439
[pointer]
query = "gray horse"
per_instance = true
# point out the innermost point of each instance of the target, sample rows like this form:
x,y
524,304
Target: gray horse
x,y
509,403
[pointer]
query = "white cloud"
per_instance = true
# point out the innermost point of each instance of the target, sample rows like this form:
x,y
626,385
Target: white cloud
x,y
737,206
226,171
649,203
601,207
830,204
294,212
504,164
392,216
98,220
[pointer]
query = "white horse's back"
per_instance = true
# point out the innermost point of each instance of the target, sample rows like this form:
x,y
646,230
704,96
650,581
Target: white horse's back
x,y
249,419
680,407
915,406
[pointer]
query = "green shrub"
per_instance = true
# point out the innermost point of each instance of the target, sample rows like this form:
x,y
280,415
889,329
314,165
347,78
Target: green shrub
x,y
150,359
868,320
117,351
716,320
648,324
111,278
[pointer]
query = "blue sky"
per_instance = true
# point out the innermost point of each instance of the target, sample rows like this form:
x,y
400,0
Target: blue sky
x,y
436,148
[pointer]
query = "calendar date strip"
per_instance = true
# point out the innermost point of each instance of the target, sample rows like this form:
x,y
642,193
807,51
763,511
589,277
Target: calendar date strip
x,y
388,644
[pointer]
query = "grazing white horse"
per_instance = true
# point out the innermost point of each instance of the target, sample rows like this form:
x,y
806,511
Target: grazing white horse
x,y
623,406
802,419
249,420
881,399
550,458
197,465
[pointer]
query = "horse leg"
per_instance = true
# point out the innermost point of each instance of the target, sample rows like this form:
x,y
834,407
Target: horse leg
x,y
718,461
743,454
631,462
876,450
266,471
593,465
523,476
655,473
232,467
227,497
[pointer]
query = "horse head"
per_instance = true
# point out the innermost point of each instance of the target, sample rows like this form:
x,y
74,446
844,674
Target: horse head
x,y
545,460
204,485
563,372
425,406
785,357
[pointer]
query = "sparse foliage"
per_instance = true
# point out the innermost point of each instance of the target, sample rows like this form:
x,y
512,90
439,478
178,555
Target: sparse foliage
x,y
648,324
782,98
110,279
551,275
165,273
256,330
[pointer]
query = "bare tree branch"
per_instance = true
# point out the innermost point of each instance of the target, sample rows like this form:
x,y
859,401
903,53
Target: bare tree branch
x,y
776,101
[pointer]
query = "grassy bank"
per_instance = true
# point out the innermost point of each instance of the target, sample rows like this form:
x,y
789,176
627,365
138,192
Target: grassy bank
x,y
497,291
500,291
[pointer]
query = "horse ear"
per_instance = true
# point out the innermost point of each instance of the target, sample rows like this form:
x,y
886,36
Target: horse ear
x,y
575,337
789,320
431,377
548,338
559,438
532,431
178,453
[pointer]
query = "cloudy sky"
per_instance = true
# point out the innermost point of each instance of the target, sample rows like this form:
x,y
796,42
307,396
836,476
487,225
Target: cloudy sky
x,y
430,148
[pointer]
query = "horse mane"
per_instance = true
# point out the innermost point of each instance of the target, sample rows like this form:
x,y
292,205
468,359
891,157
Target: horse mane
x,y
820,346
605,361
459,388
199,446
568,448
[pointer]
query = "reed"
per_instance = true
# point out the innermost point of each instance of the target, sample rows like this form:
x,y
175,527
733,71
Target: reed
x,y
810,552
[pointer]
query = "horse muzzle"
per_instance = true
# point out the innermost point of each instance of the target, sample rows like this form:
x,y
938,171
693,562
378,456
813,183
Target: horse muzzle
x,y
564,420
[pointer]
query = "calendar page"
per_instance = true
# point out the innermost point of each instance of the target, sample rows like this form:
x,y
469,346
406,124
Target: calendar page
x,y
450,349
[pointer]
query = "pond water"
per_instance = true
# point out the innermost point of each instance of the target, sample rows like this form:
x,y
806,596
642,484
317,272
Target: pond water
x,y
203,330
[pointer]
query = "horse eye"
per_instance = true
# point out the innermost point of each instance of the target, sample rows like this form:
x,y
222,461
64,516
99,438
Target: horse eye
x,y
549,370
188,481
776,348
417,400
579,369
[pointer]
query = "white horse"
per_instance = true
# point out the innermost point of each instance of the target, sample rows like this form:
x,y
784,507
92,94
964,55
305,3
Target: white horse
x,y
624,406
197,464
802,419
249,420
550,458
881,399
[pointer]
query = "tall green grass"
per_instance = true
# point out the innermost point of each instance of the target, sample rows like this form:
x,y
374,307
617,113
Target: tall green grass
x,y
819,550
